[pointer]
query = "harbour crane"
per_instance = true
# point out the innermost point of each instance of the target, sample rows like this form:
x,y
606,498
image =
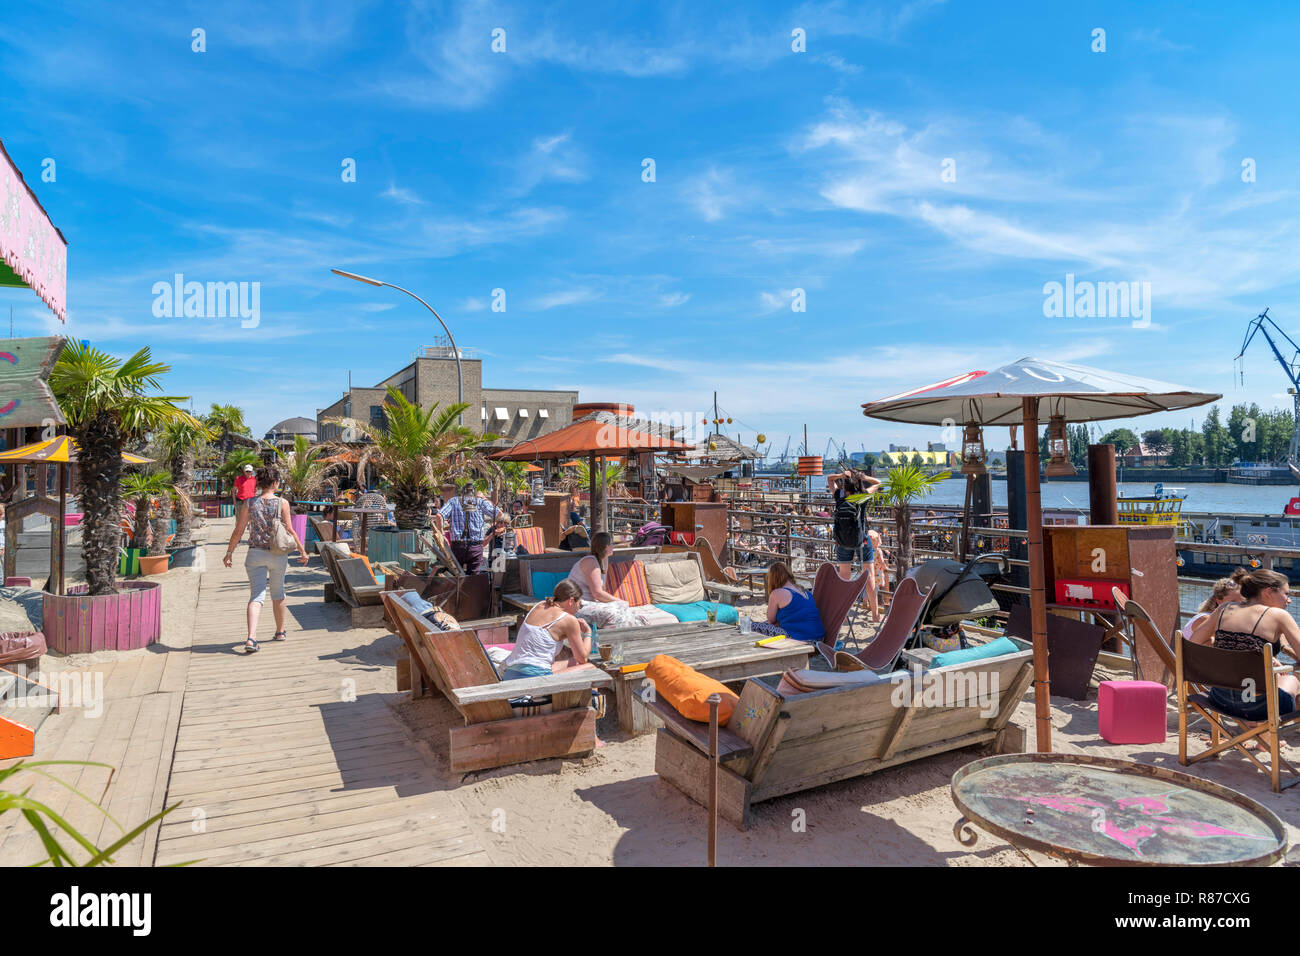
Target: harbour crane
x,y
1261,324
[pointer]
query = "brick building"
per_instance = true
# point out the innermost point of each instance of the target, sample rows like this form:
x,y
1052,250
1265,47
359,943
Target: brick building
x,y
513,413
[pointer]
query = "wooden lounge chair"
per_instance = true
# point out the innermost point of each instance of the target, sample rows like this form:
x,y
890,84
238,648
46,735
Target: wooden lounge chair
x,y
1232,670
782,742
455,663
900,622
324,530
726,586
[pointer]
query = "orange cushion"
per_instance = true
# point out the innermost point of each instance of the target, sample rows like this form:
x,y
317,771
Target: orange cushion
x,y
687,690
368,567
531,539
627,582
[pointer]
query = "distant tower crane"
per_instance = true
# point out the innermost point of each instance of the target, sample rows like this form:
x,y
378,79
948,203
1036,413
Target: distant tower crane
x,y
1261,323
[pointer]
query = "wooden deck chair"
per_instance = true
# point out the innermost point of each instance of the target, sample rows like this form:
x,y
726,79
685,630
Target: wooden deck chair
x,y
359,586
456,664
900,624
324,530
726,585
1232,670
835,599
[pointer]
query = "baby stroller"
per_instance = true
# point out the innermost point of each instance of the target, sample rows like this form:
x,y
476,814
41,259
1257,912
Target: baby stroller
x,y
652,534
961,592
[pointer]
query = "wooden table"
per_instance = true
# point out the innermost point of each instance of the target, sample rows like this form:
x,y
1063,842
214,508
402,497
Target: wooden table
x,y
718,650
1110,812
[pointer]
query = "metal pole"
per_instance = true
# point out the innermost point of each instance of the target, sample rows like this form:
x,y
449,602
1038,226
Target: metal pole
x,y
460,383
63,507
1037,579
714,701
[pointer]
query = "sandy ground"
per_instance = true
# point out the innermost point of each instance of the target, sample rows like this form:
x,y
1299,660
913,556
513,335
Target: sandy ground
x,y
612,809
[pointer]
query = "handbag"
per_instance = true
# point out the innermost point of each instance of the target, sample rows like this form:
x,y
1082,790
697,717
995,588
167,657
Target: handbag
x,y
282,541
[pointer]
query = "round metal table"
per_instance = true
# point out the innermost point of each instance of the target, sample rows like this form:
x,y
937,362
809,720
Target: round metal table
x,y
1110,812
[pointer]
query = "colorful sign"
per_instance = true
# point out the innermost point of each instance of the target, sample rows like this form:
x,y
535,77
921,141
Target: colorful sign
x,y
25,366
33,253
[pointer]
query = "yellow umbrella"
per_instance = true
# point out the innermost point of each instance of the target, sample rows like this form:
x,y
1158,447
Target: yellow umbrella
x,y
61,449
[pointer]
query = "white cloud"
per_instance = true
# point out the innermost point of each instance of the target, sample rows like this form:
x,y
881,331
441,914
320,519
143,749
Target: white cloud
x,y
565,297
674,299
404,196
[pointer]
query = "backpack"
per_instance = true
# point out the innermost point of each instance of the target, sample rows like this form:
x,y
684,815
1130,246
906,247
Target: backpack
x,y
849,523
652,534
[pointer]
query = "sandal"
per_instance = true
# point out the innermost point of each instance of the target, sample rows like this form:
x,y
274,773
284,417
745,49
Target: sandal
x,y
250,646
277,635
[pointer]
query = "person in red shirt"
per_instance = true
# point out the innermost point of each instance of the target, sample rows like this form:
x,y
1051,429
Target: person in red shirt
x,y
245,486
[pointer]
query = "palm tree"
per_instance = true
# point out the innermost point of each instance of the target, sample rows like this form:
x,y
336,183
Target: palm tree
x,y
152,491
609,474
903,485
106,404
305,473
179,442
415,451
227,420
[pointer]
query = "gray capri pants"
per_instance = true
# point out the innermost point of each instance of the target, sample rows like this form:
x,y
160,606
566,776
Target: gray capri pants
x,y
261,564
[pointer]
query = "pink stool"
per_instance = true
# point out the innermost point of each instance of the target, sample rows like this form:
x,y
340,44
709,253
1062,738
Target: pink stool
x,y
18,582
1132,711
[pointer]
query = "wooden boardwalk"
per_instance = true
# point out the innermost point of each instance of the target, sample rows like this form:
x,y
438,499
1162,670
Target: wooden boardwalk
x,y
291,756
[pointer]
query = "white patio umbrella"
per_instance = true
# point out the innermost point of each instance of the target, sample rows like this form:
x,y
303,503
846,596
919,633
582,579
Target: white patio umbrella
x,y
1029,392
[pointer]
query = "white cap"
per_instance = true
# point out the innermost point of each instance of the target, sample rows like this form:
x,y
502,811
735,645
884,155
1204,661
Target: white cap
x,y
248,468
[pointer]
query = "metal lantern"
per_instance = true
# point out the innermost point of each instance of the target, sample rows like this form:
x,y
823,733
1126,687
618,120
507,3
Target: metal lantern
x,y
1058,447
972,450
713,446
762,439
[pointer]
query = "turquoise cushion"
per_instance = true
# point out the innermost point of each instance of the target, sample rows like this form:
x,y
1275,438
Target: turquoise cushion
x,y
698,611
1003,645
544,582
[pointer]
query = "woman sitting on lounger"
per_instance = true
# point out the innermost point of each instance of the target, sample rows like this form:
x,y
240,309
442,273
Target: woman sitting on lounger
x,y
790,609
599,607
548,629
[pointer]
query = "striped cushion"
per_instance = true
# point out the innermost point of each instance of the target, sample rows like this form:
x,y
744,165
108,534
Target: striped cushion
x,y
530,539
627,582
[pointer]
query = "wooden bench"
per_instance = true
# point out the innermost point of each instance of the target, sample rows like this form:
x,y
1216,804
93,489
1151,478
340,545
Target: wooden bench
x,y
780,744
456,664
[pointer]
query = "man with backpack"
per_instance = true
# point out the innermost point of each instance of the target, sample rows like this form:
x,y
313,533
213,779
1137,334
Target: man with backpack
x,y
850,522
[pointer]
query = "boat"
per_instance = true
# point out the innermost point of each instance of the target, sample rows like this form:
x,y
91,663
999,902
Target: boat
x,y
1163,507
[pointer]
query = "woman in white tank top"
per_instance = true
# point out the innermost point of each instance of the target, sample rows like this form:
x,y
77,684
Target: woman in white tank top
x,y
543,634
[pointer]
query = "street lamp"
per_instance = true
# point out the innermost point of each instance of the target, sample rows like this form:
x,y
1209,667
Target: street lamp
x,y
460,387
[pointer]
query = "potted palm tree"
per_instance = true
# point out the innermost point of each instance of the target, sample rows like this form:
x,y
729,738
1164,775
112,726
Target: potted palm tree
x,y
152,491
415,452
107,402
179,443
903,485
225,421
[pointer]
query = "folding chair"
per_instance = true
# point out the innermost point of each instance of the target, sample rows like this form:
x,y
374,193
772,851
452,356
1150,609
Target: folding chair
x,y
1232,670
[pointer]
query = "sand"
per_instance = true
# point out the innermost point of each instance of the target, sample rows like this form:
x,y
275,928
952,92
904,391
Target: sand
x,y
612,809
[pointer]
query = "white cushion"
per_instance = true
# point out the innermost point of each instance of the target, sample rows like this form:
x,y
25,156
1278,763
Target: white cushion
x,y
674,582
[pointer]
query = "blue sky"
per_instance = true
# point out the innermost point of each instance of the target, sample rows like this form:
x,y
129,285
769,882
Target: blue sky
x,y
775,171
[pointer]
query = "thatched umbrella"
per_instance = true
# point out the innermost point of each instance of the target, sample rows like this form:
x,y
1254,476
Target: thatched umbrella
x,y
592,437
1029,392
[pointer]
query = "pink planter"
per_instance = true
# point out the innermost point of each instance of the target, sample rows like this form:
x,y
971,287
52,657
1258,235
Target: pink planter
x,y
77,623
300,526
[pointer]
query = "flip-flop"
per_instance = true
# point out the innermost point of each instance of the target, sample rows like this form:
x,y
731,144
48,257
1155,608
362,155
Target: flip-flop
x,y
250,647
276,636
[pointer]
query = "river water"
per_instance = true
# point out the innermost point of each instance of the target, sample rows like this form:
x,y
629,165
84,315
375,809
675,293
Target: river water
x,y
1201,497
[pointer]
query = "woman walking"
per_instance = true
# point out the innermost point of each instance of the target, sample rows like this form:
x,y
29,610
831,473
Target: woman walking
x,y
262,564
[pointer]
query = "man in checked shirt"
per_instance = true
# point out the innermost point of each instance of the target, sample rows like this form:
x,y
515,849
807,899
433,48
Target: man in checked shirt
x,y
468,515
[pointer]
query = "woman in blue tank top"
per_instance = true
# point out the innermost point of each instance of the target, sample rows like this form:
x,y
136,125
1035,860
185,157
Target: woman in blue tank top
x,y
790,608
